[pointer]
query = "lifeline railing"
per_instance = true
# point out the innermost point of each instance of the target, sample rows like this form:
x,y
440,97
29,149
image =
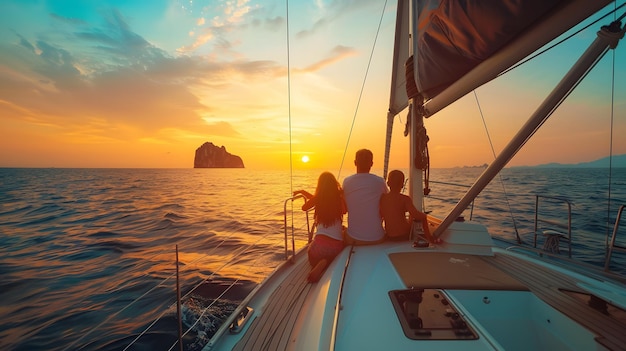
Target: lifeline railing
x,y
612,246
552,242
234,322
293,239
465,186
232,319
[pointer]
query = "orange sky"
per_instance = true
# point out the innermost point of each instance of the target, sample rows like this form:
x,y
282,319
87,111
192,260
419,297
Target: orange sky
x,y
126,85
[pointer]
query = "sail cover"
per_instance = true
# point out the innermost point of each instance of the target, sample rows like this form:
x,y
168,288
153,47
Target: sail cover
x,y
462,44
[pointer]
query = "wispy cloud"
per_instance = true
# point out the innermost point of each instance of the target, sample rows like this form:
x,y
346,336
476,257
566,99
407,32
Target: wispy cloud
x,y
230,15
337,54
101,81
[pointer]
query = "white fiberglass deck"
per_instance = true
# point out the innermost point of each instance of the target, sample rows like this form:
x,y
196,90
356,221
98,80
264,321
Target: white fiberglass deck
x,y
506,313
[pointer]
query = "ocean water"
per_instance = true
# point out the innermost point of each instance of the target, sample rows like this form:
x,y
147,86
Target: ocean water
x,y
88,256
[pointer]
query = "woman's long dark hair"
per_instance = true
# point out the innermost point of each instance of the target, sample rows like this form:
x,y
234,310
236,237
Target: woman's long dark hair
x,y
328,200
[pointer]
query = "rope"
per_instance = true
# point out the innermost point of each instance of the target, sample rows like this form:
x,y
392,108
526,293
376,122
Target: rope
x,y
493,152
369,62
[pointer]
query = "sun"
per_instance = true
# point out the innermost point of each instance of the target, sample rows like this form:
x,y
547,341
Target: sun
x,y
305,159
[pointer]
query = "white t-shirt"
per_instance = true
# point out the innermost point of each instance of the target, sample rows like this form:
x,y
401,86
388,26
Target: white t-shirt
x,y
362,192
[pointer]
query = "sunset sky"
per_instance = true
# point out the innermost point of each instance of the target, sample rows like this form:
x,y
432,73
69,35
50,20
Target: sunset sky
x,y
144,83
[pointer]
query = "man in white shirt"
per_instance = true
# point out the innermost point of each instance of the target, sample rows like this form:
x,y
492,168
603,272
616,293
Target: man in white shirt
x,y
362,192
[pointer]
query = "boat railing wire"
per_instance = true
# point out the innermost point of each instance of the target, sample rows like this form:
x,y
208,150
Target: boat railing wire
x,y
613,246
270,237
287,231
491,205
448,200
490,208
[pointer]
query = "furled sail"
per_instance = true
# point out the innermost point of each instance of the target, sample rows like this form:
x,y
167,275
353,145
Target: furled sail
x,y
462,44
399,99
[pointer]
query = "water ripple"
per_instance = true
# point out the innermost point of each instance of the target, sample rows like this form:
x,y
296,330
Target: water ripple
x,y
79,246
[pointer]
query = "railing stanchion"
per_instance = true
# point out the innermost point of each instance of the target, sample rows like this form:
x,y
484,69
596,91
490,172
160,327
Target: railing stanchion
x,y
180,319
612,245
293,240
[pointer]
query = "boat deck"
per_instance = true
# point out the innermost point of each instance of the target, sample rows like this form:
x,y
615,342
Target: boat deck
x,y
553,287
276,327
271,330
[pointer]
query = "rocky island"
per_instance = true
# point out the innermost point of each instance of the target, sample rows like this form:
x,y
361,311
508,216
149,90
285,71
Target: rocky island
x,y
211,156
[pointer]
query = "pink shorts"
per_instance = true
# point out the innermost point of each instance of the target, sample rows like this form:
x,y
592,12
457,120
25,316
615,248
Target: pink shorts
x,y
322,247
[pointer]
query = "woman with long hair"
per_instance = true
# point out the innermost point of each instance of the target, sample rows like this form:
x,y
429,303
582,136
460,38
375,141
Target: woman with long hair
x,y
330,207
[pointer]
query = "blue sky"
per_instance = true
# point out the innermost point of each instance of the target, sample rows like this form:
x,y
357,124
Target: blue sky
x,y
144,83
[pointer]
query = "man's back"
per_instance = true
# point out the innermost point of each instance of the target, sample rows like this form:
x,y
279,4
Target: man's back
x,y
362,192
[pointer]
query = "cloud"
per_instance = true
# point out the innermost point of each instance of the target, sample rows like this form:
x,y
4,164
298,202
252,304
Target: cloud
x,y
25,43
127,82
67,20
109,82
221,128
332,12
275,23
337,54
232,14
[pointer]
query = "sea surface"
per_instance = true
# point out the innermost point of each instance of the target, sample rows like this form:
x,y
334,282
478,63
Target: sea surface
x,y
88,256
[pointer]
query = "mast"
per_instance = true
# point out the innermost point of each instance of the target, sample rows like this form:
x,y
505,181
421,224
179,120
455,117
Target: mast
x,y
416,120
607,38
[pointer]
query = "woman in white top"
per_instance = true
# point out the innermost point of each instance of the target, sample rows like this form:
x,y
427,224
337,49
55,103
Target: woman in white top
x,y
330,207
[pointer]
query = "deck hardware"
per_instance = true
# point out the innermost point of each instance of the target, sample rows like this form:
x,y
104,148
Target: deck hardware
x,y
241,320
426,314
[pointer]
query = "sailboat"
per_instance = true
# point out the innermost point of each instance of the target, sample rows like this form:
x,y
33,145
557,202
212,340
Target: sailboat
x,y
467,291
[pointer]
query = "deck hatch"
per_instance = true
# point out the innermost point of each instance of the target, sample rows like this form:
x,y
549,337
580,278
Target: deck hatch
x,y
427,314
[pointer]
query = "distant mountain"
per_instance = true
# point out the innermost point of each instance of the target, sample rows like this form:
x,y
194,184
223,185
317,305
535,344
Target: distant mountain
x,y
618,161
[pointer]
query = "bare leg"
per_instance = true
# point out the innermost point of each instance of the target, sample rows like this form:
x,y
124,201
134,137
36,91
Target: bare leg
x,y
317,271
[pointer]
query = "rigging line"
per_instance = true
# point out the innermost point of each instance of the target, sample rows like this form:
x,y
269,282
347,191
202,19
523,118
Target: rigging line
x,y
213,248
150,259
172,275
111,316
369,63
560,102
149,291
253,264
289,97
236,255
608,209
289,108
530,58
188,293
241,251
493,151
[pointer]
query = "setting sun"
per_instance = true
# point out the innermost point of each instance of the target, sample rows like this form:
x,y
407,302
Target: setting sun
x,y
305,159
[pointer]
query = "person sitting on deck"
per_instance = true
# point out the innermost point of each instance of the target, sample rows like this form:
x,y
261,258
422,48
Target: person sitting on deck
x,y
363,191
393,208
330,207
